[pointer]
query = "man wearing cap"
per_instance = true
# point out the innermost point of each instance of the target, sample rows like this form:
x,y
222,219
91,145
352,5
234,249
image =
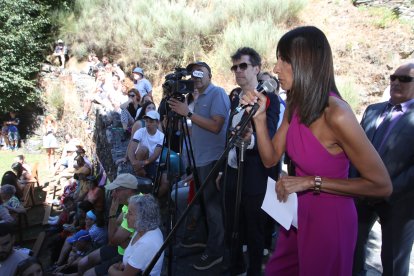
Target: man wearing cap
x,y
141,83
145,147
209,121
119,234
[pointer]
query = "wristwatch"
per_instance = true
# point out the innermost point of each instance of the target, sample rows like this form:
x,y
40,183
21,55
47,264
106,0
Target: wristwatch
x,y
189,114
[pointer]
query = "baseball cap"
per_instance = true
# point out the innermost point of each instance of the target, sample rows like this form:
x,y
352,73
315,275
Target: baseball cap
x,y
125,180
81,235
60,41
152,114
138,70
199,63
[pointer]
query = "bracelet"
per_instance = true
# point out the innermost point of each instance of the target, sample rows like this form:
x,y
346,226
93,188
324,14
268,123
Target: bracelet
x,y
317,186
111,217
189,114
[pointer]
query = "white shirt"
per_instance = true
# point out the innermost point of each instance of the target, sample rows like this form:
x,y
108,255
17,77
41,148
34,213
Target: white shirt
x,y
140,254
150,141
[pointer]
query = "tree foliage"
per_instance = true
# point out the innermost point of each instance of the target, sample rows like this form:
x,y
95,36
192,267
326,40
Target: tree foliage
x,y
24,37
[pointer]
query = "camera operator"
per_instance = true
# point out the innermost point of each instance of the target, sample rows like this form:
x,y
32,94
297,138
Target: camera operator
x,y
209,122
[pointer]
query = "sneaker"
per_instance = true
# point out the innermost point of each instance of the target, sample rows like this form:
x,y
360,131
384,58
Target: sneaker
x,y
191,243
207,261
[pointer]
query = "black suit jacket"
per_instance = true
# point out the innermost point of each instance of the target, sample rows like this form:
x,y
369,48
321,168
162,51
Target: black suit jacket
x,y
397,152
255,173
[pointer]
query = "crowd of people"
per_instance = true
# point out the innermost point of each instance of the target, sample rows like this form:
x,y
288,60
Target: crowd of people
x,y
345,176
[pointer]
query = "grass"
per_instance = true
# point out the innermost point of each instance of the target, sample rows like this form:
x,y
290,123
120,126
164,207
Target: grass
x,y
7,159
161,35
349,93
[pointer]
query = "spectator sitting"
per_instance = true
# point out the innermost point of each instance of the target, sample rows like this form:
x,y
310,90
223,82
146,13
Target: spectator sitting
x,y
95,195
65,217
13,131
61,52
10,201
9,256
144,217
144,100
141,83
145,147
81,245
10,177
29,267
98,262
5,216
99,95
139,119
130,112
21,159
94,227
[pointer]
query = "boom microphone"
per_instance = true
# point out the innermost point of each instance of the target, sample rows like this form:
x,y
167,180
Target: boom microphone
x,y
268,86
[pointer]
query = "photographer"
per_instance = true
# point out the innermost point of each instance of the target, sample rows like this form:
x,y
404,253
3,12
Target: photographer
x,y
209,122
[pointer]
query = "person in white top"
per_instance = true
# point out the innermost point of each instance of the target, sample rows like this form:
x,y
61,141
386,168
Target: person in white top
x,y
144,216
145,148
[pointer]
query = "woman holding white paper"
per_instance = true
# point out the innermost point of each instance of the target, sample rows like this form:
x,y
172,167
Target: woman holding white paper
x,y
321,135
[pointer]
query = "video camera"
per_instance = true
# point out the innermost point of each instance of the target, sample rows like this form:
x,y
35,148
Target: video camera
x,y
175,86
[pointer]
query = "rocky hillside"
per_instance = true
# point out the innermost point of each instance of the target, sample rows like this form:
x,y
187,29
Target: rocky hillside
x,y
367,45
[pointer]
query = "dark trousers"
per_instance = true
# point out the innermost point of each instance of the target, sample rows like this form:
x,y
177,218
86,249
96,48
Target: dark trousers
x,y
213,209
252,223
397,227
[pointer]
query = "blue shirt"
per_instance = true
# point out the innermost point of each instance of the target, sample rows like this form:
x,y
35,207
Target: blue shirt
x,y
143,86
207,145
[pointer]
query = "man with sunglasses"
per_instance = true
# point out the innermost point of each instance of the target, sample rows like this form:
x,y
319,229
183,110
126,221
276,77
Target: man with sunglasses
x,y
246,67
390,127
209,121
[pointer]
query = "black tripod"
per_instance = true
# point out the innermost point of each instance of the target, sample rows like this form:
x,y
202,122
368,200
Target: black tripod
x,y
175,123
212,173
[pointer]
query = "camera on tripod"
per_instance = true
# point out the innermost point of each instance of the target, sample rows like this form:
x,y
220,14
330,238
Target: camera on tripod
x,y
176,86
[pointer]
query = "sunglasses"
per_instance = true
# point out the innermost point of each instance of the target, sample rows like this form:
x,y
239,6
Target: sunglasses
x,y
131,95
243,66
401,78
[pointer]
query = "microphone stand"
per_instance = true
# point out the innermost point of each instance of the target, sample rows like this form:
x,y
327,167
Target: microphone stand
x,y
235,234
212,174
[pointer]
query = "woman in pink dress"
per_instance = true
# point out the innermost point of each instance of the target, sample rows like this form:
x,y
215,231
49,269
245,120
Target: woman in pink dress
x,y
321,135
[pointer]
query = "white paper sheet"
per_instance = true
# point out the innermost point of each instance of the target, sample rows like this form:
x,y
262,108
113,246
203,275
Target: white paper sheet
x,y
286,213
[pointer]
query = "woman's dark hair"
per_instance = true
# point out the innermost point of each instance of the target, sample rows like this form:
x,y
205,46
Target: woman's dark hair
x,y
144,107
26,263
307,50
236,90
100,220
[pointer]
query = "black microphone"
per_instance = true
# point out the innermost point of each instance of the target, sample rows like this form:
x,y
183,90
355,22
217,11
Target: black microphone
x,y
268,86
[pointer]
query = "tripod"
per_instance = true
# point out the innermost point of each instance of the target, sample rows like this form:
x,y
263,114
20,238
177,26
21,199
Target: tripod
x,y
174,123
199,192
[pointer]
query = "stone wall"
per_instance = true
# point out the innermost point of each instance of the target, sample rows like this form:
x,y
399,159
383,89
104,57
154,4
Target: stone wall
x,y
101,134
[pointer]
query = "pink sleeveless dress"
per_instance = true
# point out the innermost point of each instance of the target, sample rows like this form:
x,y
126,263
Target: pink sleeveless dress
x,y
326,236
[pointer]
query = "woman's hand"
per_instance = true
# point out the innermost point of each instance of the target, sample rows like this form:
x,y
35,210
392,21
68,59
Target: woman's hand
x,y
252,97
292,184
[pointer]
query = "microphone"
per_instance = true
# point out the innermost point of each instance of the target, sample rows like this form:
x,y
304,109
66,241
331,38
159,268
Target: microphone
x,y
268,86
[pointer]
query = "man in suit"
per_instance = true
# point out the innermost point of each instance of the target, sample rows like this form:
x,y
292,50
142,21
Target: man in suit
x,y
390,127
246,67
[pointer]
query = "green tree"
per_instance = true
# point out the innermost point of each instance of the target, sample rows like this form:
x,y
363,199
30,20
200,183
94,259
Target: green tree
x,y
24,31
